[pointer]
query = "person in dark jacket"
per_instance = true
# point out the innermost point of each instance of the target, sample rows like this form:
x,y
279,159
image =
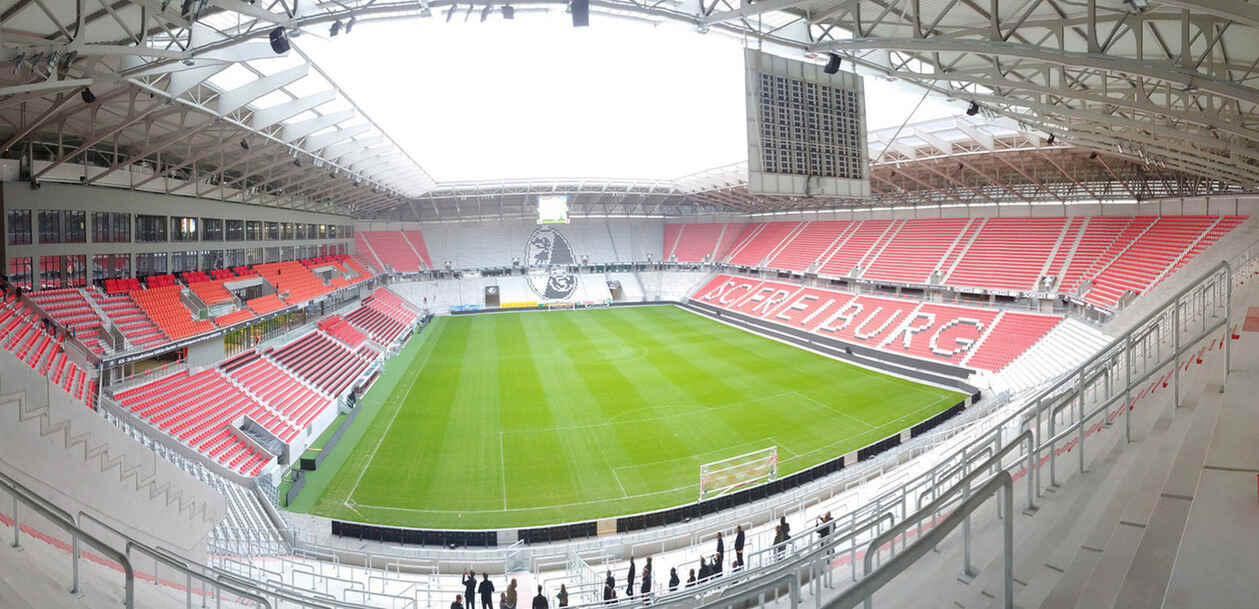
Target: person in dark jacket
x,y
782,522
469,588
539,601
738,543
629,579
673,579
610,582
690,579
609,592
703,569
487,592
721,550
457,604
646,577
717,566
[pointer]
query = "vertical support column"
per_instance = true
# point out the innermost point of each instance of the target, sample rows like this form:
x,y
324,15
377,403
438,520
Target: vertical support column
x,y
74,562
17,526
1176,355
1127,393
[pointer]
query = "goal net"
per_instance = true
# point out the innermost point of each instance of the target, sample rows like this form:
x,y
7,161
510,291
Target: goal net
x,y
733,473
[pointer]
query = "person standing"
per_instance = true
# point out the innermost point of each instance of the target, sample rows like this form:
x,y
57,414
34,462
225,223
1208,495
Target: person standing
x,y
721,551
738,544
779,540
610,582
646,577
629,579
457,604
487,592
782,522
469,588
539,601
562,597
673,579
690,579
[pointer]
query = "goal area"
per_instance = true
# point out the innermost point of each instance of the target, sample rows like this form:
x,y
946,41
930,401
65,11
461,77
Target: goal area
x,y
733,473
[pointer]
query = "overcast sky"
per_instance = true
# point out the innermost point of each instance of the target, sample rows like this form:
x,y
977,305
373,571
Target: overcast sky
x,y
536,97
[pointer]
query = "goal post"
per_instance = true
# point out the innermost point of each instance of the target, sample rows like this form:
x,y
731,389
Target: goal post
x,y
733,473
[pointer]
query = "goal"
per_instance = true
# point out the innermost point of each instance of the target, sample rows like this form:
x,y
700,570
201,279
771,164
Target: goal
x,y
733,473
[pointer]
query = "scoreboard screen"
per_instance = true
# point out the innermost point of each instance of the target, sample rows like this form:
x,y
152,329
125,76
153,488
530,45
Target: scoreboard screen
x,y
552,209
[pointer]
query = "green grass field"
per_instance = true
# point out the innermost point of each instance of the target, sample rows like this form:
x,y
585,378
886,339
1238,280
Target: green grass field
x,y
536,418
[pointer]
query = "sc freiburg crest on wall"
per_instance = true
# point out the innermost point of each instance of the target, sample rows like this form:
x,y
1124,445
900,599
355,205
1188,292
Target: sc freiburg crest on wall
x,y
548,247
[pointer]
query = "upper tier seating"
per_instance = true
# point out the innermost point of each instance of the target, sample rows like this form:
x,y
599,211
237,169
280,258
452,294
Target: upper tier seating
x,y
1008,253
199,409
1144,263
285,395
322,362
222,274
293,281
353,264
336,327
121,286
160,281
130,319
364,249
165,308
69,308
763,243
692,242
265,304
211,292
854,247
808,245
928,331
416,239
916,250
393,250
192,277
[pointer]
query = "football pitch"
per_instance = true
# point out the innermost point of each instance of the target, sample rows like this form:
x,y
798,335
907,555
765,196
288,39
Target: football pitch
x,y
532,418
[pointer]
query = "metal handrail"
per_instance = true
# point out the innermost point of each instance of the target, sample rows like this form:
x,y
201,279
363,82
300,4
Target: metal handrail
x,y
57,517
865,589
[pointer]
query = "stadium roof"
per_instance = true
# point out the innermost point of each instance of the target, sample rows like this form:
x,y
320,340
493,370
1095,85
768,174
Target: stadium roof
x,y
1163,92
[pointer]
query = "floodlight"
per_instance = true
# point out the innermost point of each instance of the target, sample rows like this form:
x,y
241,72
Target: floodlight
x,y
279,41
1052,139
88,96
349,25
485,12
244,144
973,109
1093,155
509,11
451,13
335,29
832,64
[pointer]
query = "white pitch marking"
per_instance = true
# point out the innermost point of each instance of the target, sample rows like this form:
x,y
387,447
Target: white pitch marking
x,y
502,468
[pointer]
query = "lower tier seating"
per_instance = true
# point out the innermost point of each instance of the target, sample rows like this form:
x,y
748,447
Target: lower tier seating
x,y
164,307
289,397
199,410
928,331
321,361
22,335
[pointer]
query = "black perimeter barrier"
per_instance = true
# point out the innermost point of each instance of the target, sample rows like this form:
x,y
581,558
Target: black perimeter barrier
x,y
934,372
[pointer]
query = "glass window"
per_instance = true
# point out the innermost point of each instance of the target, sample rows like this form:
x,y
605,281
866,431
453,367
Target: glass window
x,y
273,231
150,264
235,230
301,230
286,231
286,253
74,227
20,270
181,262
111,227
332,231
110,266
211,259
49,227
323,231
211,229
150,229
312,231
253,230
49,272
347,231
253,255
183,229
75,270
18,223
